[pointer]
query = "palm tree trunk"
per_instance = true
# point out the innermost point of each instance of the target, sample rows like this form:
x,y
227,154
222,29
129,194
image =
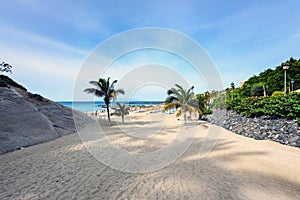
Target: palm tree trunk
x,y
108,115
265,91
123,119
184,117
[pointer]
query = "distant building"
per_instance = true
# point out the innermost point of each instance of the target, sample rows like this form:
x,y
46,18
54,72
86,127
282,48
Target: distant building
x,y
242,83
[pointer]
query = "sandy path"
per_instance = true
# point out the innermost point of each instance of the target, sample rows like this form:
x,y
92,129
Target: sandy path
x,y
237,168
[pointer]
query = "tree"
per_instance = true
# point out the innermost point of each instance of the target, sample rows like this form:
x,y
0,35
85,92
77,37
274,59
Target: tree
x,y
272,80
5,67
121,110
106,90
183,99
203,102
258,89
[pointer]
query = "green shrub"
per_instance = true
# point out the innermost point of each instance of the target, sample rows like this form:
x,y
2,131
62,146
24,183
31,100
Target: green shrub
x,y
257,90
280,106
277,93
207,112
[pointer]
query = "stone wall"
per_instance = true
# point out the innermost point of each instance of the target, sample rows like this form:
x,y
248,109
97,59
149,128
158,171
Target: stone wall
x,y
284,131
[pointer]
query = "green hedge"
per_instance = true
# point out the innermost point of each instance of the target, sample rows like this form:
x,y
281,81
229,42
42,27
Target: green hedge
x,y
287,106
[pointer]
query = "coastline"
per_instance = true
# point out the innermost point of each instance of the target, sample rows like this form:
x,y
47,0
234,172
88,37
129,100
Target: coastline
x,y
93,106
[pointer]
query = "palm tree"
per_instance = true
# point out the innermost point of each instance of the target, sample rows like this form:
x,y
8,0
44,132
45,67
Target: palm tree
x,y
183,99
106,90
122,110
203,102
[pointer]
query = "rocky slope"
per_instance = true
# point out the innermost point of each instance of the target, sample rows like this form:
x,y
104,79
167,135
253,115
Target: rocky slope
x,y
28,119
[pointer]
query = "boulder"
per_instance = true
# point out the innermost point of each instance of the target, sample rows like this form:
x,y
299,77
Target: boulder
x,y
28,119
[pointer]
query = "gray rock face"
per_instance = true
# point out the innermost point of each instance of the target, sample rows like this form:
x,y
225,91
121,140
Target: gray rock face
x,y
283,131
28,119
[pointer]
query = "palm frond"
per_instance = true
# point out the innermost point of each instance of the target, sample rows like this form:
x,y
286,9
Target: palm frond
x,y
113,83
168,106
120,91
103,84
90,90
190,90
179,87
170,99
179,113
170,91
95,83
175,93
94,91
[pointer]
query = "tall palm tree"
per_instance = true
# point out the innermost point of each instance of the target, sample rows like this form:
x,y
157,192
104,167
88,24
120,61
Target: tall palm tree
x,y
183,99
121,110
106,90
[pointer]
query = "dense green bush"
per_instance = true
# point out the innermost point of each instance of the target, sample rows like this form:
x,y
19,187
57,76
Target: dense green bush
x,y
257,90
281,106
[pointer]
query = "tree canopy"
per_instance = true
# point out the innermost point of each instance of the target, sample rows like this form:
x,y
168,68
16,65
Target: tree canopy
x,y
103,88
5,67
272,80
182,99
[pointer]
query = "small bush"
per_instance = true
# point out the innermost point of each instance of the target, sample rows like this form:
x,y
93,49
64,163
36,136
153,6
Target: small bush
x,y
277,93
207,112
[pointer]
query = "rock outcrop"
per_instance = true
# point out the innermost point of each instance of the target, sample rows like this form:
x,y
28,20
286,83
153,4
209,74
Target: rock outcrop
x,y
28,119
284,131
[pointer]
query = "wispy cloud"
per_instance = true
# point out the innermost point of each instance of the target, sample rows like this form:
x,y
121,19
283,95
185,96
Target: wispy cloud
x,y
52,39
25,37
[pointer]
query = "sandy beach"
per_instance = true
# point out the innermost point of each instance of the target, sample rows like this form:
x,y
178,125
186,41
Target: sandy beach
x,y
236,168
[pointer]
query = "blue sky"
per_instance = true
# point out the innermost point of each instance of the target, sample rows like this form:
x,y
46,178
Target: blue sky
x,y
48,41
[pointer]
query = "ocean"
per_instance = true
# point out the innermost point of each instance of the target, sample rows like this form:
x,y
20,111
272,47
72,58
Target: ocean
x,y
91,106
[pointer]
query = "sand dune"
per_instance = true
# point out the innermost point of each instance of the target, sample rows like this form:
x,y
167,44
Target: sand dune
x,y
236,168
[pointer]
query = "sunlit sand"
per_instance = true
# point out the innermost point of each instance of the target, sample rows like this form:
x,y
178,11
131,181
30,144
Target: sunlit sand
x,y
236,168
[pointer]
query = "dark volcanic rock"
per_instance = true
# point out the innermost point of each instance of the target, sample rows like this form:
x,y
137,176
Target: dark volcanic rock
x,y
28,119
280,130
298,143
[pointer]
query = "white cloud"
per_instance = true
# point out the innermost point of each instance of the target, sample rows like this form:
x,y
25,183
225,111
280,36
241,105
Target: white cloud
x,y
43,65
25,37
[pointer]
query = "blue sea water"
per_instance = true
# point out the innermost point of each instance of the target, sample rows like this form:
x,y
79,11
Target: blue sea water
x,y
91,106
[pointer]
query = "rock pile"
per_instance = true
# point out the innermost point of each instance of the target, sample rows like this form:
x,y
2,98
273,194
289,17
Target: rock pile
x,y
262,128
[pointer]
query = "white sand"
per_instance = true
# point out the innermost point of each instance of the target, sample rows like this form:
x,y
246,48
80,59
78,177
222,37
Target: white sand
x,y
237,168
